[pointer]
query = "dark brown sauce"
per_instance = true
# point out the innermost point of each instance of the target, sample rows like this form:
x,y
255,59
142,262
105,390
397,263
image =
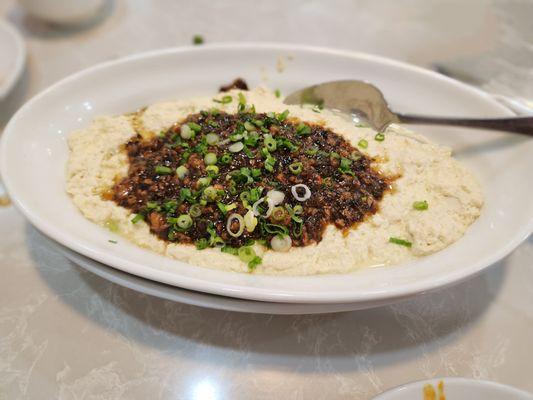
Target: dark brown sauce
x,y
344,187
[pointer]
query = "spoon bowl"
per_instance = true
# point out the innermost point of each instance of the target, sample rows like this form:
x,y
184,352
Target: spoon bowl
x,y
366,104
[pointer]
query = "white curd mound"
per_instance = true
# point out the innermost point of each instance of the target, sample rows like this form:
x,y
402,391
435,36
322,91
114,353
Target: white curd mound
x,y
426,171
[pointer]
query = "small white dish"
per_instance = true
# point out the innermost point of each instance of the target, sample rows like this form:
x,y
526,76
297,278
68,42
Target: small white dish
x,y
13,51
457,389
33,155
199,299
62,12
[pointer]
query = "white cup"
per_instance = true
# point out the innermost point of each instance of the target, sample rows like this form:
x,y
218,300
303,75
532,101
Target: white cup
x,y
63,12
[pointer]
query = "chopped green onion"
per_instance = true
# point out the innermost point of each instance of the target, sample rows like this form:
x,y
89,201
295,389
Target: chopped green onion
x,y
210,158
380,137
210,193
112,225
270,143
224,208
298,209
230,250
202,244
184,221
312,151
252,139
283,116
212,170
182,171
204,181
355,156
242,102
303,129
421,205
270,163
224,100
254,263
400,242
276,229
169,206
250,221
363,143
226,158
235,137
137,218
186,132
278,214
195,127
277,93
249,126
236,147
197,39
212,138
293,214
345,166
246,253
112,241
162,170
296,168
195,211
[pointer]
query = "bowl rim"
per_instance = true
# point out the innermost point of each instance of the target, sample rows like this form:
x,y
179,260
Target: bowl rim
x,y
20,59
236,290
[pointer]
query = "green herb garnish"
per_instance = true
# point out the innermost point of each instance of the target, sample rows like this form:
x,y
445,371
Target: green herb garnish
x,y
162,170
197,40
296,168
137,218
224,100
421,205
400,242
303,130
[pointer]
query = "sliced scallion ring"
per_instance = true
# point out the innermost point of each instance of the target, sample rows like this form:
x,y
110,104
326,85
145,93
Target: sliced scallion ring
x,y
281,243
240,220
246,253
212,138
255,207
184,221
195,211
210,159
276,196
186,132
297,196
236,147
182,171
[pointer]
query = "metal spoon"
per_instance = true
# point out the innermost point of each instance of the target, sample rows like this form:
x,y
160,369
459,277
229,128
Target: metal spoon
x,y
366,103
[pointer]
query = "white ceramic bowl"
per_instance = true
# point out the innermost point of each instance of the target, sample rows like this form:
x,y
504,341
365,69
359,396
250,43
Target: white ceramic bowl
x,y
34,152
13,57
457,389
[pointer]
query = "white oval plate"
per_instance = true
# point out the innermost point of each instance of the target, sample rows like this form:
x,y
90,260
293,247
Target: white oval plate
x,y
13,51
457,389
199,299
34,153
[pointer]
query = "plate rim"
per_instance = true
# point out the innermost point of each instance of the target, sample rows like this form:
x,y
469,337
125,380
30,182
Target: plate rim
x,y
20,60
457,379
199,299
263,294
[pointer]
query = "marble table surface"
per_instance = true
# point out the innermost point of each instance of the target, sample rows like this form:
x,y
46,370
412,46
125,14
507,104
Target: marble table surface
x,y
66,333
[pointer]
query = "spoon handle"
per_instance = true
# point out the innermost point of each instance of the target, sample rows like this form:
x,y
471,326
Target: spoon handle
x,y
522,125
